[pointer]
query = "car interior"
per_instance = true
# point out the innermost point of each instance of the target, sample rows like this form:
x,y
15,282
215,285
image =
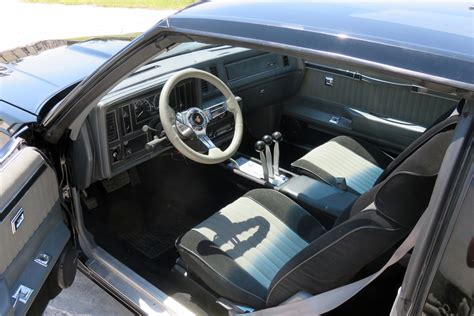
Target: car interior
x,y
332,170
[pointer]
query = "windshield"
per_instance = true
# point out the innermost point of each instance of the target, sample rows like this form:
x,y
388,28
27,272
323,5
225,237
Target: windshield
x,y
182,48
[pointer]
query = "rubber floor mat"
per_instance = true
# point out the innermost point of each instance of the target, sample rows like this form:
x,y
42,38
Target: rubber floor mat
x,y
150,244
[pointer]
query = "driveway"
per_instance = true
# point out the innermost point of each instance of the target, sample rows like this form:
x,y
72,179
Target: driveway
x,y
26,23
85,298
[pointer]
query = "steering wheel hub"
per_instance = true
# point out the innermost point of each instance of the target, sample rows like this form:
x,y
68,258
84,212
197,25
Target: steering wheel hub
x,y
197,119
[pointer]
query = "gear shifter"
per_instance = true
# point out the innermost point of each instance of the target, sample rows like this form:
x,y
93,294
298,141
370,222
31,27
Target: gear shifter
x,y
260,147
268,140
277,138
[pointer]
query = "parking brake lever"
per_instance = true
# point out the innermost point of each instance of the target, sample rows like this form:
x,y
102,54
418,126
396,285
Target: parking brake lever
x,y
277,138
268,140
260,147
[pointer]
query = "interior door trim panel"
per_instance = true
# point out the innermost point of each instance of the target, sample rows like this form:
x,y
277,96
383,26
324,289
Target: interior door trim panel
x,y
380,110
9,207
361,77
31,223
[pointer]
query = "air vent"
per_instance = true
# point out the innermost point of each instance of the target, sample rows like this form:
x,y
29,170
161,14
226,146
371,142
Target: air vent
x,y
204,86
183,96
111,123
213,70
286,61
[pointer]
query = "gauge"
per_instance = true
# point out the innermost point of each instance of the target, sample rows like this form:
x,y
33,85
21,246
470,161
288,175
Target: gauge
x,y
144,109
156,102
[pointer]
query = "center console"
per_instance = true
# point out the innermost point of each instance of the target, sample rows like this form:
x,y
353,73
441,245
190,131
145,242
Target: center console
x,y
324,201
265,171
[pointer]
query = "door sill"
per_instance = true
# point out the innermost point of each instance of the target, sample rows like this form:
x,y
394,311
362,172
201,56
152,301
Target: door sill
x,y
131,288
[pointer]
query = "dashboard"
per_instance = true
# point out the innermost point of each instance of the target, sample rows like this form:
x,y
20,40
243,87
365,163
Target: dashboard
x,y
125,122
118,130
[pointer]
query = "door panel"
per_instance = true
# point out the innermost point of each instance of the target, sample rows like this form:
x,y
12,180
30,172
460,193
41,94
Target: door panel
x,y
378,110
31,224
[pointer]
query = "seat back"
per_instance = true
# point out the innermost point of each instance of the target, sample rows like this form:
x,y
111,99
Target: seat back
x,y
377,221
420,141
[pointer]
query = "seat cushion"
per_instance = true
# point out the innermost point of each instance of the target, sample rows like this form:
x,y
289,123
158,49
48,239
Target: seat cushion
x,y
238,251
359,163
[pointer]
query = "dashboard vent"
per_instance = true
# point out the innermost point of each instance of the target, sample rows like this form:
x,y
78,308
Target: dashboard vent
x,y
213,70
204,86
286,61
183,96
112,133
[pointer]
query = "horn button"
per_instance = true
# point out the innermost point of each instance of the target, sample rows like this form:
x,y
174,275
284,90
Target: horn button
x,y
197,119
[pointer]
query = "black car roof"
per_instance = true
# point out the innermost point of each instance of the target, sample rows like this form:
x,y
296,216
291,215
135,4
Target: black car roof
x,y
436,39
432,39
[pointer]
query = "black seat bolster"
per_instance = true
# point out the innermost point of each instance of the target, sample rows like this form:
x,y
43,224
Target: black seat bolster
x,y
415,190
219,271
368,234
323,264
445,127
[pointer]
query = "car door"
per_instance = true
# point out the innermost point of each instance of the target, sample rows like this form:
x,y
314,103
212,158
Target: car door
x,y
33,234
383,110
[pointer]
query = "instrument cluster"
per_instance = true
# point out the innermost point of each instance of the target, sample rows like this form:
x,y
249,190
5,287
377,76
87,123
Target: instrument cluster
x,y
146,108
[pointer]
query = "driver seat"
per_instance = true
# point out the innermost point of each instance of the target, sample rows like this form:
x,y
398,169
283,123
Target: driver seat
x,y
263,248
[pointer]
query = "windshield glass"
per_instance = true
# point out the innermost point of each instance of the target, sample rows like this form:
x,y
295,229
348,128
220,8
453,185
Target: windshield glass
x,y
182,48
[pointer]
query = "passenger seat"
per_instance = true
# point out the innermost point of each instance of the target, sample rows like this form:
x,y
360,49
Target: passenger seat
x,y
357,166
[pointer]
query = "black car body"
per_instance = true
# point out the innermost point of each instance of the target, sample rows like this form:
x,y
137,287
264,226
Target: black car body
x,y
381,73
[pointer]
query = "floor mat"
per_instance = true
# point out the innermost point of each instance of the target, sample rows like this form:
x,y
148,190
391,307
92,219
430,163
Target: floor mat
x,y
151,244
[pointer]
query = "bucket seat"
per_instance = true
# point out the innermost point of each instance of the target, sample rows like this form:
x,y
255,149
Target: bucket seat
x,y
355,165
263,248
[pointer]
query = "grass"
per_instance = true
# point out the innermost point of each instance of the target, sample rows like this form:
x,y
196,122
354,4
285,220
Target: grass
x,y
149,4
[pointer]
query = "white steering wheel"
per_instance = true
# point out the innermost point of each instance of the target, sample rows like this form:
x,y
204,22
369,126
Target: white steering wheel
x,y
194,120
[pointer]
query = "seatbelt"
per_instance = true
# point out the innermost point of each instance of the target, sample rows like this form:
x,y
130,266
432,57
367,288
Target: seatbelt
x,y
327,301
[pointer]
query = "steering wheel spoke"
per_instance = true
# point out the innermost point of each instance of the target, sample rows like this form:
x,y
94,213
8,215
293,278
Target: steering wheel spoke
x,y
206,141
182,126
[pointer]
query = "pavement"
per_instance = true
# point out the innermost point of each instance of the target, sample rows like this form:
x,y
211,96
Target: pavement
x,y
84,297
26,23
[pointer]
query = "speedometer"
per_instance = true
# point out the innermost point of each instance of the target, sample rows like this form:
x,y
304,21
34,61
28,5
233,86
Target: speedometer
x,y
144,109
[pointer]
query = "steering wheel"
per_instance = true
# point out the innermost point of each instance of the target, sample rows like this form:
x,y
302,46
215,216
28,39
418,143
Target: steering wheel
x,y
193,121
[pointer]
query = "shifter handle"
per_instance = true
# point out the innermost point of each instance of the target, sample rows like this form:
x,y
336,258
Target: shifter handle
x,y
268,140
277,137
260,148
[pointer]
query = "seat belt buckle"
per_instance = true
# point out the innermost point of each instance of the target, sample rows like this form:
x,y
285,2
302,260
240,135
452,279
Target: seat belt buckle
x,y
341,183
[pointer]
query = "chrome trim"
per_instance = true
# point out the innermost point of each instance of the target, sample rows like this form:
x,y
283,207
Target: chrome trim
x,y
138,291
22,294
43,259
17,220
6,151
329,81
